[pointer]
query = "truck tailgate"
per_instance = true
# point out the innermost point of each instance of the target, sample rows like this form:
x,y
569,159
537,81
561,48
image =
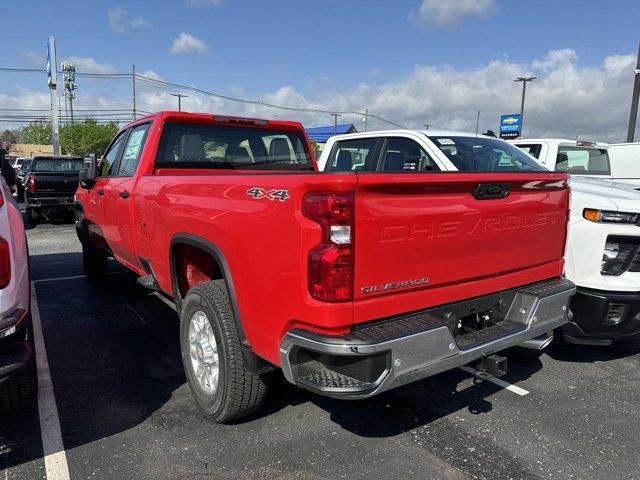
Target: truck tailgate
x,y
56,183
428,239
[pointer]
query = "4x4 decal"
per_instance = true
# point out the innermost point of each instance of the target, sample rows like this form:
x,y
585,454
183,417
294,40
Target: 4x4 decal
x,y
275,194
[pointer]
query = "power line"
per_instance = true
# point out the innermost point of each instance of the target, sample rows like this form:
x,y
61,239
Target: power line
x,y
118,75
264,104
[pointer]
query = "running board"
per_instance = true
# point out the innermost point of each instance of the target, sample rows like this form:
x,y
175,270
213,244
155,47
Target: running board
x,y
148,281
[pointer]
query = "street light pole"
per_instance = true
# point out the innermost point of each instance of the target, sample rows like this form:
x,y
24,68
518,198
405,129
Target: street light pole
x,y
180,97
524,81
634,101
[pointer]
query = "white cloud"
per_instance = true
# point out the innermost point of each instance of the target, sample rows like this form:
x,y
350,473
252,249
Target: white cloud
x,y
90,65
568,99
186,43
444,13
120,22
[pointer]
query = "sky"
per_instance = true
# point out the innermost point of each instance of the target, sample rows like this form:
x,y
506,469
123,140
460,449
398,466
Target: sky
x,y
412,62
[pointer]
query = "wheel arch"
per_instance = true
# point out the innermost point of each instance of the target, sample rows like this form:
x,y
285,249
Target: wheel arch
x,y
252,361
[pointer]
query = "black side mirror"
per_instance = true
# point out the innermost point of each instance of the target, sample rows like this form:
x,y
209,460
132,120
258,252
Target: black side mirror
x,y
90,172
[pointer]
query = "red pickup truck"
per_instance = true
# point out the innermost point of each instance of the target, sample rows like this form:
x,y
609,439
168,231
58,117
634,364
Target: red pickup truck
x,y
351,282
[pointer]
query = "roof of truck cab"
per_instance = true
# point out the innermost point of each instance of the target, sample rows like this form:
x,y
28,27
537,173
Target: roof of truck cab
x,y
390,133
178,115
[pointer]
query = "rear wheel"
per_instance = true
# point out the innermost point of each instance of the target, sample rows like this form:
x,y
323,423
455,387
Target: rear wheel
x,y
211,353
94,262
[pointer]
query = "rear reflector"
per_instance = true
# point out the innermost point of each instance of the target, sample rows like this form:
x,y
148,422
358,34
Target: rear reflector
x,y
330,268
31,183
5,263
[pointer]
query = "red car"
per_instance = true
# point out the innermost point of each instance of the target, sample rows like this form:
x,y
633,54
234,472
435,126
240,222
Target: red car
x,y
350,282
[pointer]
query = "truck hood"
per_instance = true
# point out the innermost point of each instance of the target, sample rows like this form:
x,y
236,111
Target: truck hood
x,y
604,194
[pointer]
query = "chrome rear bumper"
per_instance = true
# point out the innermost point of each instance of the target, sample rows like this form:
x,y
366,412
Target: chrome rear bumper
x,y
389,353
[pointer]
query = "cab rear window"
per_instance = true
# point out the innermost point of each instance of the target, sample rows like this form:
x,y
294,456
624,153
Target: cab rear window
x,y
583,161
185,145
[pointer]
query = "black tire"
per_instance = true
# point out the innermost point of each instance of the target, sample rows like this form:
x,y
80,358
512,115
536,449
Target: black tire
x,y
239,392
94,262
19,391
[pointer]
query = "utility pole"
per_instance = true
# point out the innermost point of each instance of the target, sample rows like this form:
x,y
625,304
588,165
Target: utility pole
x,y
335,122
52,81
634,101
426,126
133,91
524,81
180,97
366,119
69,77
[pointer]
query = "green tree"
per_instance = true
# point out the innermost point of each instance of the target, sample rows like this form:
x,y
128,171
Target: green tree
x,y
38,133
9,137
87,136
316,148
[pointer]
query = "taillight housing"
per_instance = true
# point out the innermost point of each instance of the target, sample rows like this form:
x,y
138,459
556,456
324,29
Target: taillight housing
x,y
330,264
31,183
5,263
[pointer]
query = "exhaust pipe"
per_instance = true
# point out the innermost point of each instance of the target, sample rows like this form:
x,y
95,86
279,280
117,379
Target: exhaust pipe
x,y
538,343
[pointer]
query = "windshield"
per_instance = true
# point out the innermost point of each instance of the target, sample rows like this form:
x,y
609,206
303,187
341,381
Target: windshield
x,y
25,166
484,154
213,146
58,165
583,161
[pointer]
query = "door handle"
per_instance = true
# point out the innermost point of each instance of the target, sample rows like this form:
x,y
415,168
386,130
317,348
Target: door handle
x,y
100,191
124,194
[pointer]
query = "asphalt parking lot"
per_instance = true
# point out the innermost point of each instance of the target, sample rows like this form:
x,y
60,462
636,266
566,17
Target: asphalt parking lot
x,y
125,410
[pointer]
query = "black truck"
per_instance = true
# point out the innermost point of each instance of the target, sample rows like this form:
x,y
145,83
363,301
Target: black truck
x,y
50,185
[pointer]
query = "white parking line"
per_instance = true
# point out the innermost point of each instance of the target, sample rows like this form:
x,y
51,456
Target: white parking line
x,y
501,383
55,457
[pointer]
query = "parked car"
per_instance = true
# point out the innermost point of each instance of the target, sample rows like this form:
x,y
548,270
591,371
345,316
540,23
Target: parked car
x,y
21,177
625,162
603,250
17,365
50,185
18,162
351,282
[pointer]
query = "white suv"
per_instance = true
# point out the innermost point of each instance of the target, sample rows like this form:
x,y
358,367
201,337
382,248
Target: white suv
x,y
17,365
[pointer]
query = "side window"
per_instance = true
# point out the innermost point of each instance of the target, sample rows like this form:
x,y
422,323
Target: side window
x,y
405,155
352,155
532,149
132,150
110,157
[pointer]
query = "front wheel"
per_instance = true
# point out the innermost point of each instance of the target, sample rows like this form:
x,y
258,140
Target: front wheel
x,y
211,353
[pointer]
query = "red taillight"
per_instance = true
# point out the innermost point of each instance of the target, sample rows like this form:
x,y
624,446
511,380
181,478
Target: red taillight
x,y
1,199
331,262
5,263
31,183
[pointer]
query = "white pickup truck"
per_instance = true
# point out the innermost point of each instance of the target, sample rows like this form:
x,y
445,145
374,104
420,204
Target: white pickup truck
x,y
603,247
603,250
